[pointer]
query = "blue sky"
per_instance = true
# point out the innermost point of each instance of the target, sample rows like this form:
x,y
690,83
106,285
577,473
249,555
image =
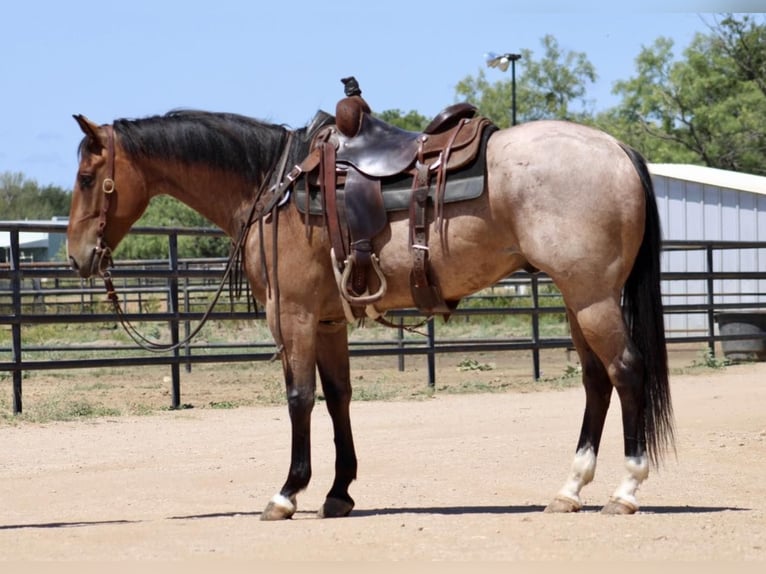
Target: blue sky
x,y
280,61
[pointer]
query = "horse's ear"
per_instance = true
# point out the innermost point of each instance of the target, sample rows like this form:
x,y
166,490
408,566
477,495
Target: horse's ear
x,y
90,129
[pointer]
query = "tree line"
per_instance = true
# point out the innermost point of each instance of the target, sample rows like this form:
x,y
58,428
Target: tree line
x,y
707,106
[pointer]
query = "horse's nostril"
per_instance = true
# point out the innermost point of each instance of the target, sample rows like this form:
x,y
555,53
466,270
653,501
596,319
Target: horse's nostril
x,y
73,263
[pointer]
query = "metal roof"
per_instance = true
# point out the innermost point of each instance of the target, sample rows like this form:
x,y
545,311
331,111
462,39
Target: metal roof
x,y
711,176
27,240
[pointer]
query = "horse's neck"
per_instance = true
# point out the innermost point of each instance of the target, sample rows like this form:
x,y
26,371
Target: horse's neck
x,y
221,197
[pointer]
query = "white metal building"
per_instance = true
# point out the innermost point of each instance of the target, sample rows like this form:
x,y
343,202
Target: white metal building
x,y
698,203
34,246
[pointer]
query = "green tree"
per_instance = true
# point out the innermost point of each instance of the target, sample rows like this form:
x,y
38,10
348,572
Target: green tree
x,y
22,198
708,107
743,41
166,211
553,86
412,120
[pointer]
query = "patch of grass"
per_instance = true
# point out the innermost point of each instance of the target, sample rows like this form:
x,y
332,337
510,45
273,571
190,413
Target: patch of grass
x,y
58,410
708,360
377,391
182,407
472,387
223,404
474,365
140,409
373,390
99,386
571,377
572,371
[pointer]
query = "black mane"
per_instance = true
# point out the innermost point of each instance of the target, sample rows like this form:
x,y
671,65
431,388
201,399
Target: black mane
x,y
225,141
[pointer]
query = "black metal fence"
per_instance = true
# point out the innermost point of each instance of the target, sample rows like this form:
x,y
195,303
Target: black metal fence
x,y
174,294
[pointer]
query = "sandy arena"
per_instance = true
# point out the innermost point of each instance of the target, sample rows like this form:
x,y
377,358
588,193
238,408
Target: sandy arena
x,y
448,478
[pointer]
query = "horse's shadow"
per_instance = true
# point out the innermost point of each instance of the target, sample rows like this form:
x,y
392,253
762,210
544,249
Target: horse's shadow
x,y
70,524
367,512
488,510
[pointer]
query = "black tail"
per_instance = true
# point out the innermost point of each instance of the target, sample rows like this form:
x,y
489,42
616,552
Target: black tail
x,y
642,306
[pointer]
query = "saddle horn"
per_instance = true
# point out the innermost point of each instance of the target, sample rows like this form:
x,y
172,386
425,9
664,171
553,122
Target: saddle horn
x,y
350,110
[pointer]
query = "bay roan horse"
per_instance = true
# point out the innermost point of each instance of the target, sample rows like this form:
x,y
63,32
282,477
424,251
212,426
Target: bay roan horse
x,y
561,198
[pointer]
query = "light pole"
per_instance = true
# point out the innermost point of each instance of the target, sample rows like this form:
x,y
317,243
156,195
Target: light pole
x,y
501,62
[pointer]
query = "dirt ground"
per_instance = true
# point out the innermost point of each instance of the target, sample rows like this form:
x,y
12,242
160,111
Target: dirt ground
x,y
449,476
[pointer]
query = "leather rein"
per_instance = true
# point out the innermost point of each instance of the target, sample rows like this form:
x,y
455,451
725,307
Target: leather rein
x,y
103,253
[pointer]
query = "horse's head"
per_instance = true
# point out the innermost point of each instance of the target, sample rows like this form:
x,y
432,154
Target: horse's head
x,y
109,196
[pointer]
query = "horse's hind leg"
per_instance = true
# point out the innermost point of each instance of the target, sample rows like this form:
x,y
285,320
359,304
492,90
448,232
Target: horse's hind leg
x,y
333,365
602,329
598,393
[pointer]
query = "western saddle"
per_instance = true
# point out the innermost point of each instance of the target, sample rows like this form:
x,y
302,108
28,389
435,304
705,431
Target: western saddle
x,y
352,160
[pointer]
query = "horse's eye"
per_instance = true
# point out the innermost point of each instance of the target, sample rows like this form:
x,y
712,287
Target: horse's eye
x,y
86,180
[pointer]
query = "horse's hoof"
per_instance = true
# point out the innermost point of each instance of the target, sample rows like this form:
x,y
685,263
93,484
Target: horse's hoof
x,y
335,508
561,505
619,506
280,508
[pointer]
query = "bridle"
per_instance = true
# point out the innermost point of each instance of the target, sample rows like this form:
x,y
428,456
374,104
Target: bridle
x,y
103,253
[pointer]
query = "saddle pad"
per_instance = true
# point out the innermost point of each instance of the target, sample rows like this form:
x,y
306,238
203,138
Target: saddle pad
x,y
399,199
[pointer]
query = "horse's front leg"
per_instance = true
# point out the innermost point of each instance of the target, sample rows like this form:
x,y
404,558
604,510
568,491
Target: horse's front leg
x,y
297,331
333,364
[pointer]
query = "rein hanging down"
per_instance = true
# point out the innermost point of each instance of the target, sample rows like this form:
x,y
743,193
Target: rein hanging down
x,y
258,212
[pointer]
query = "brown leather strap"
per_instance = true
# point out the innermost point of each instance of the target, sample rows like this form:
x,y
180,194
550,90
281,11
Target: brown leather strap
x,y
108,187
327,187
418,227
283,184
441,176
425,292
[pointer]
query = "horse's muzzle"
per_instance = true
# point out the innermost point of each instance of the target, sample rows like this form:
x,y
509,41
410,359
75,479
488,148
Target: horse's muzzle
x,y
84,271
90,266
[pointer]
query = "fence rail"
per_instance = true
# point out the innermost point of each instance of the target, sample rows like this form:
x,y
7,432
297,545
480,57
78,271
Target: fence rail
x,y
175,292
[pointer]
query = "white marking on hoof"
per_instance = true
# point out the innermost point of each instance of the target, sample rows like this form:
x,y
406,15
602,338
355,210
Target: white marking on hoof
x,y
279,508
638,471
582,472
285,503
